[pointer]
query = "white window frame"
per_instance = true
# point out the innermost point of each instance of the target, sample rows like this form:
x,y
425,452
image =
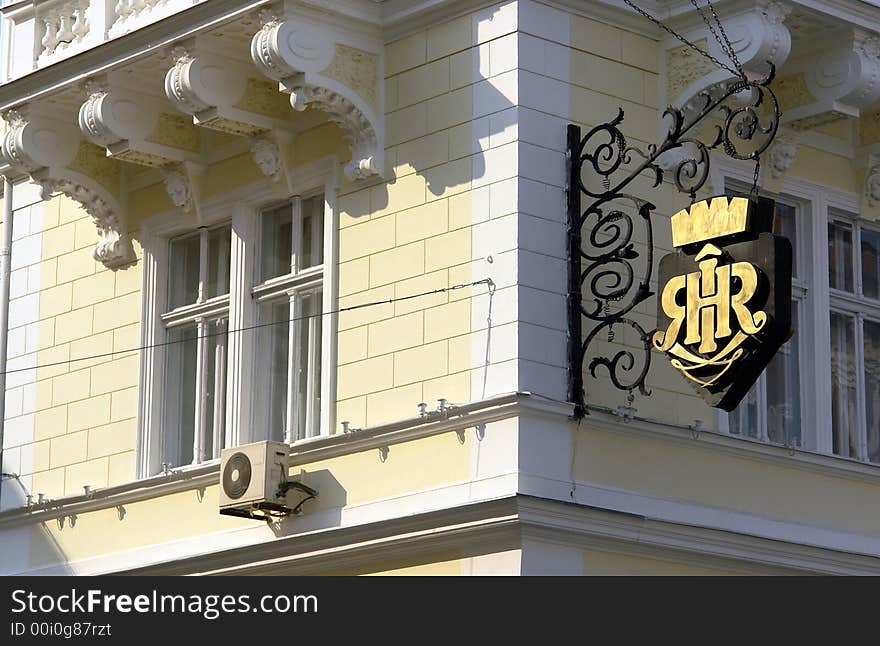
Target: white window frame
x,y
860,309
293,286
243,206
798,296
202,314
815,320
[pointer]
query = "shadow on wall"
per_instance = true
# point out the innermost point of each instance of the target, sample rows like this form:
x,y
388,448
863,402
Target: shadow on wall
x,y
324,512
444,138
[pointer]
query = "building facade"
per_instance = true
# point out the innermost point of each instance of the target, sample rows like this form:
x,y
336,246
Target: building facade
x,y
342,225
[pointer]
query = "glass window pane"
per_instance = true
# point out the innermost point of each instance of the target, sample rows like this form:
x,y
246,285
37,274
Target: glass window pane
x,y
270,401
743,420
180,394
872,388
870,263
785,224
184,267
783,392
313,231
840,260
276,243
308,397
215,388
219,244
843,386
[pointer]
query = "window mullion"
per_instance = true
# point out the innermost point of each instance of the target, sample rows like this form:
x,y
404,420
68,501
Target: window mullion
x,y
859,353
857,258
761,391
312,372
219,390
203,265
293,376
296,229
201,390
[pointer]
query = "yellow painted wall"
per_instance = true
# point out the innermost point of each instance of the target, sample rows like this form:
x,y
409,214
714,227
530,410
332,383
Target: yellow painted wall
x,y
410,235
699,473
407,234
600,563
85,423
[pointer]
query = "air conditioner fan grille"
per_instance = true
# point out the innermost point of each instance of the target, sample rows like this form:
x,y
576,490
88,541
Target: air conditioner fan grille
x,y
237,475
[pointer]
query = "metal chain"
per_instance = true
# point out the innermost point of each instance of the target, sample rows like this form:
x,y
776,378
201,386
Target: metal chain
x,y
754,191
730,47
681,38
724,43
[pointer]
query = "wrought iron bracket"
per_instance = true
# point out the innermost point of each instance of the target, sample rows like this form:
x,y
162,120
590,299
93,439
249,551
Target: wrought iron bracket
x,y
604,284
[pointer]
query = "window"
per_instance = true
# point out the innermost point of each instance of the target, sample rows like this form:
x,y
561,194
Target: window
x,y
195,351
771,411
289,299
853,272
239,331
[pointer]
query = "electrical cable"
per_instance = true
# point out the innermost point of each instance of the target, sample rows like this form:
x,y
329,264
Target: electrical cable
x,y
485,281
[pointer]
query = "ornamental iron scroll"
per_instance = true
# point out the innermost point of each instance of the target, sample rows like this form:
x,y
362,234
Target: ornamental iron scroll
x,y
605,285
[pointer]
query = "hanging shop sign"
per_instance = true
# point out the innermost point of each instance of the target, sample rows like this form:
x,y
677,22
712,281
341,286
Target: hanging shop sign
x,y
725,296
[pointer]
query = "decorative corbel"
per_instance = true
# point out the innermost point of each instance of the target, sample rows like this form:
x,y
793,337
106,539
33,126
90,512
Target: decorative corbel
x,y
339,74
267,156
134,127
780,157
870,203
872,183
838,83
758,36
220,94
272,152
183,183
54,156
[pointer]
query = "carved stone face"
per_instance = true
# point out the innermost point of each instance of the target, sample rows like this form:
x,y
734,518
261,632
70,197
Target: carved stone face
x,y
267,157
178,188
872,186
782,157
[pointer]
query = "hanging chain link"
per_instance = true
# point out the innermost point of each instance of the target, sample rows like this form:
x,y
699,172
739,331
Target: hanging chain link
x,y
681,38
754,191
722,40
730,47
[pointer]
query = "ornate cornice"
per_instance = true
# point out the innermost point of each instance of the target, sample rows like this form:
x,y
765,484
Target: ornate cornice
x,y
49,152
758,35
208,87
339,78
838,82
177,86
133,127
114,248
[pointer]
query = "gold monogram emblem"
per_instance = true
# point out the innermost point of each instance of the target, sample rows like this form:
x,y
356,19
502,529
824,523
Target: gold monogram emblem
x,y
719,320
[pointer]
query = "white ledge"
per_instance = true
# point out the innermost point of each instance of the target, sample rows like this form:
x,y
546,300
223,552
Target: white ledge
x,y
302,452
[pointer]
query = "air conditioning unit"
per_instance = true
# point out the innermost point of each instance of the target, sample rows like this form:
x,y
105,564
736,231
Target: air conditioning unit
x,y
253,477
